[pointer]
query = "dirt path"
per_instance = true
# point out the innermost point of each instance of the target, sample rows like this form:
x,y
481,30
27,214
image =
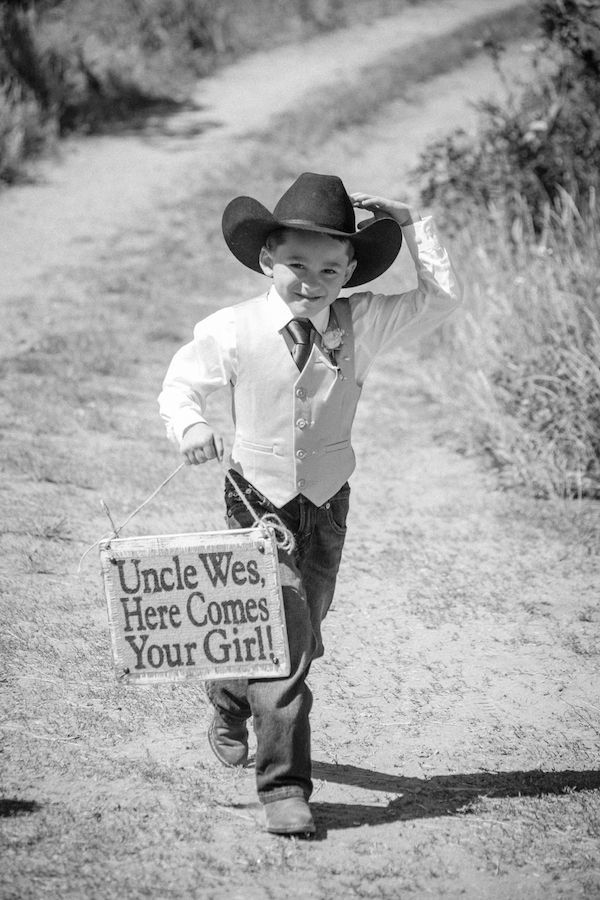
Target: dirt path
x,y
456,729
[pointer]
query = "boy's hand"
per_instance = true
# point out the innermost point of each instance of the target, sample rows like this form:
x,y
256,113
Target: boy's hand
x,y
380,206
199,444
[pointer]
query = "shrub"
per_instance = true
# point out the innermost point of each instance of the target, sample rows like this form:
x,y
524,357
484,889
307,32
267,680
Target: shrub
x,y
21,132
531,149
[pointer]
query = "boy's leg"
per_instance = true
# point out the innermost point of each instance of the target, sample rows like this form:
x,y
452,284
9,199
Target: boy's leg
x,y
280,706
308,580
320,557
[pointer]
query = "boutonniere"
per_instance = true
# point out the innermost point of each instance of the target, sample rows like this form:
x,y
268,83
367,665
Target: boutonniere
x,y
333,339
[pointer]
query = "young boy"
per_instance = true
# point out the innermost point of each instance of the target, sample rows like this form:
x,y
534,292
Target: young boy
x,y
295,359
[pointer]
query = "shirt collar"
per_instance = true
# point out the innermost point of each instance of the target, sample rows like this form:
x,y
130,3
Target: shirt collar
x,y
281,315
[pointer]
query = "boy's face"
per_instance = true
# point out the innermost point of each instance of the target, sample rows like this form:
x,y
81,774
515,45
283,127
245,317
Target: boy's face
x,y
308,270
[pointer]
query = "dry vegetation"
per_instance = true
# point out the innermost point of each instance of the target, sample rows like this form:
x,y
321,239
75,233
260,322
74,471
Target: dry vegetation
x,y
527,388
522,201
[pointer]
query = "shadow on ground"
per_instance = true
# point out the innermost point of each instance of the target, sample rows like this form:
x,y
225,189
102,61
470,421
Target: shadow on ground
x,y
442,795
164,119
12,807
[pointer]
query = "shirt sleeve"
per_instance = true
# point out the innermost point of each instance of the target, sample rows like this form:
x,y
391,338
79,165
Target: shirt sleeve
x,y
206,364
382,321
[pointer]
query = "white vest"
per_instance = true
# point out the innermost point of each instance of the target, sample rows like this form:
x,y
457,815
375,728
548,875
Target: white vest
x,y
292,429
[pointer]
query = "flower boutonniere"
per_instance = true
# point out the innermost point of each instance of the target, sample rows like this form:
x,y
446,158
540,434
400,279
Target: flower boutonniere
x,y
333,339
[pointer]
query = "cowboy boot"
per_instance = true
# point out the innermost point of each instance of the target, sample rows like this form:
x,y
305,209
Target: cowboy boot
x,y
228,739
289,816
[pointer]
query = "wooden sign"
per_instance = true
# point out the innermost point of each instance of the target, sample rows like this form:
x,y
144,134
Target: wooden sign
x,y
206,605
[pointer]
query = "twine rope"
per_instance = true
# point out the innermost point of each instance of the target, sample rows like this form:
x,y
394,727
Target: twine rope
x,y
283,536
270,521
116,529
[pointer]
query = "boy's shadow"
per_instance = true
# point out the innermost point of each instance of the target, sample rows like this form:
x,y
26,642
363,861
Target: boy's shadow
x,y
441,795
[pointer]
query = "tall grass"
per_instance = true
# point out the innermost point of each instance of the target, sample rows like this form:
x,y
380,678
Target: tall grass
x,y
521,364
521,199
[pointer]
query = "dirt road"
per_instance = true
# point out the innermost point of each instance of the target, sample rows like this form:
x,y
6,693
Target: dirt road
x,y
456,727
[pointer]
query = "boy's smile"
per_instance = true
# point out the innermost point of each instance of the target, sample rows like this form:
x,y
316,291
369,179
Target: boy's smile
x,y
308,269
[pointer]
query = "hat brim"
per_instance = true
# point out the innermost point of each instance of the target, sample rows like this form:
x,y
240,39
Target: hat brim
x,y
247,224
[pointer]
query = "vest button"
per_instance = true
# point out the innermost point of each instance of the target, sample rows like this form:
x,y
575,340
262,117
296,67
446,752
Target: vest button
x,y
301,393
300,454
300,483
301,423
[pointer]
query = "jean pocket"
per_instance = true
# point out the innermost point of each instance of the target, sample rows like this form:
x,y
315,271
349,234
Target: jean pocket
x,y
336,510
239,498
238,515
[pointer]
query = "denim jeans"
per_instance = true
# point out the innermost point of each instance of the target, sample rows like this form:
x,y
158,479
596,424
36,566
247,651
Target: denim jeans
x,y
280,707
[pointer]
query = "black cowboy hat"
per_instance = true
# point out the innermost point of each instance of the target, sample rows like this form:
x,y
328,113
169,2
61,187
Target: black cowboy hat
x,y
313,203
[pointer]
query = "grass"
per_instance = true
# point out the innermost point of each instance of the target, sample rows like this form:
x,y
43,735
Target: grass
x,y
523,364
527,389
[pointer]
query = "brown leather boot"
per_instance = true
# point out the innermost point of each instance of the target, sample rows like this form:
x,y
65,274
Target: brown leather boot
x,y
228,739
289,816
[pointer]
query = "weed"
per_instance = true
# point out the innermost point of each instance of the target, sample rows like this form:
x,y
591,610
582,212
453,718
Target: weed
x,y
35,563
57,530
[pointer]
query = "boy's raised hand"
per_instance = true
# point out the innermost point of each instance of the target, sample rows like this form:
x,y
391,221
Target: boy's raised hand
x,y
199,444
381,206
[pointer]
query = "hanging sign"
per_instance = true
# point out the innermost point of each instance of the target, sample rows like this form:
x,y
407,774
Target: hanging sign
x,y
206,605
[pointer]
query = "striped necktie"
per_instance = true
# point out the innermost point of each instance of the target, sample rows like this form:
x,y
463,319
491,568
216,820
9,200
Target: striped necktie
x,y
301,332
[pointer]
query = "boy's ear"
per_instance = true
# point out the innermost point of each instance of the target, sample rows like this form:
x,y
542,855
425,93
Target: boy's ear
x,y
266,262
350,269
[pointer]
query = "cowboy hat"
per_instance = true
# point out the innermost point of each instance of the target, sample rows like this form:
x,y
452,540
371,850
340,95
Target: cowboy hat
x,y
313,203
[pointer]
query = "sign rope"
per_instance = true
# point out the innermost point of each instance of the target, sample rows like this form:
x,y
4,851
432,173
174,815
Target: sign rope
x,y
283,536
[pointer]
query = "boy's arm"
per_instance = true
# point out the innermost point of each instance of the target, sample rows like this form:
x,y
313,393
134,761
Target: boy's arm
x,y
204,365
389,320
